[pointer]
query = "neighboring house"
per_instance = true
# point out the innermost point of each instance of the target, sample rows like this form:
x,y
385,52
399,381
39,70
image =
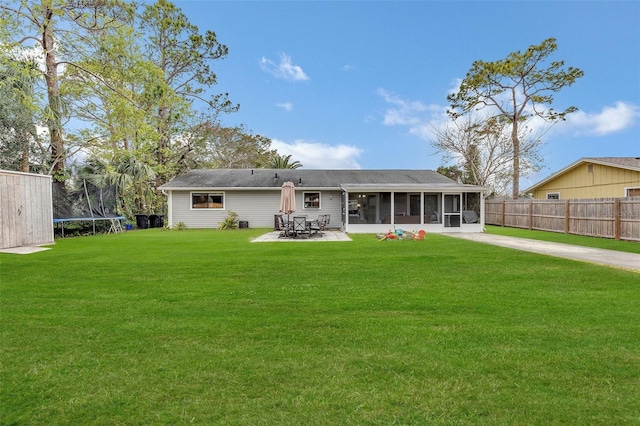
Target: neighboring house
x,y
26,217
358,201
601,177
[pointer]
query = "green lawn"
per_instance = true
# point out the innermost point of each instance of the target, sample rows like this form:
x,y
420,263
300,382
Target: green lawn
x,y
204,327
580,240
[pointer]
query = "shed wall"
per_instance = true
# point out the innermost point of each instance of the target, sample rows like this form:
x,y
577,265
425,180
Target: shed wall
x,y
26,210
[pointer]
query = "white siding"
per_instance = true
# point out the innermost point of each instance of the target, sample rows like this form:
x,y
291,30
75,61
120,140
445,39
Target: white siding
x,y
256,207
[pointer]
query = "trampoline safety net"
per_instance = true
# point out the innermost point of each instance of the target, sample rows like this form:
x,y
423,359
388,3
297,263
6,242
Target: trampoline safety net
x,y
86,202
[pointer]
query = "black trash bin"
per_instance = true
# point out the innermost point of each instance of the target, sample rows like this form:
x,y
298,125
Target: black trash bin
x,y
156,221
142,221
243,224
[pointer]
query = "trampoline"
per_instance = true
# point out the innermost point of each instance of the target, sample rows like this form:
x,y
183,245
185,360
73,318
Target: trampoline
x,y
115,227
88,202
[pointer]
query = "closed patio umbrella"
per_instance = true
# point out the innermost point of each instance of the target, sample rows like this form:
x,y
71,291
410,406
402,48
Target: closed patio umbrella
x,y
288,199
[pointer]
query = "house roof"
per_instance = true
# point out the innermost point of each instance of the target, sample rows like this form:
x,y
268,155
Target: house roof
x,y
629,163
330,179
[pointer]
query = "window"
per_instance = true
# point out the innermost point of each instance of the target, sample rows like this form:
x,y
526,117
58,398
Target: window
x,y
207,200
311,200
553,195
633,192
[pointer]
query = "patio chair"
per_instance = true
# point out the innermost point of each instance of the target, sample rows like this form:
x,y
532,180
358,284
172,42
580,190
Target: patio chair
x,y
420,235
327,220
321,222
299,225
314,228
469,216
283,226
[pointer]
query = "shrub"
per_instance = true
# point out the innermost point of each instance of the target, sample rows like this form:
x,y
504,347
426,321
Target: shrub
x,y
180,226
229,222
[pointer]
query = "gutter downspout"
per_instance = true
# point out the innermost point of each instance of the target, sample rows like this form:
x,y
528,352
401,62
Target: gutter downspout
x,y
169,207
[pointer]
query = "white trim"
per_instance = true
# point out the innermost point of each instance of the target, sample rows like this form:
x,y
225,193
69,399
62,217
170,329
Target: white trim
x,y
169,209
246,188
417,187
319,200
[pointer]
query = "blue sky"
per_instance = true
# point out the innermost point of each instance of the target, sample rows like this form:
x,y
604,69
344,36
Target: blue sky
x,y
342,84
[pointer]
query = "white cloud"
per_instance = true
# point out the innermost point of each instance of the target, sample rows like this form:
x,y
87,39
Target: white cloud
x,y
417,116
348,67
421,119
611,119
318,155
287,106
285,70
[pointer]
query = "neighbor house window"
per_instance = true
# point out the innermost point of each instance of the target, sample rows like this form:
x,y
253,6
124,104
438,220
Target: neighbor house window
x,y
553,196
311,200
632,192
207,200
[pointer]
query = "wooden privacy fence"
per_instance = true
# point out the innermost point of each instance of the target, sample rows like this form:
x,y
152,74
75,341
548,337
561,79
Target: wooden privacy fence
x,y
617,218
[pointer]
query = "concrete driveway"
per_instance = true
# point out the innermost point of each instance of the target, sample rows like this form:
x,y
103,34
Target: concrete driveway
x,y
615,259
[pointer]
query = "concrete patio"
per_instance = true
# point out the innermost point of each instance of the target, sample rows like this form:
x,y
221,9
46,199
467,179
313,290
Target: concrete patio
x,y
274,236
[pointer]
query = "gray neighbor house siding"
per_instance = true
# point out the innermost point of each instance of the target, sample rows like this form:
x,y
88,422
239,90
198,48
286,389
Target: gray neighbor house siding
x,y
356,200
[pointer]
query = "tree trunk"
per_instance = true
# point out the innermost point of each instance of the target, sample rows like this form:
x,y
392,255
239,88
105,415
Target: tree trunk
x,y
53,95
24,159
516,160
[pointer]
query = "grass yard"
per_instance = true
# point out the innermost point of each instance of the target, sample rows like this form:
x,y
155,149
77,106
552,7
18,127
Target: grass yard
x,y
579,240
204,327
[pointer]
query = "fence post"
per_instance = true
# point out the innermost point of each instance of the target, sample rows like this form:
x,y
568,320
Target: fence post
x,y
502,220
567,213
616,219
530,215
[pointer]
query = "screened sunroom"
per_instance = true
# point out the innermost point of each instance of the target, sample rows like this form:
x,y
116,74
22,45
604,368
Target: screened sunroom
x,y
451,209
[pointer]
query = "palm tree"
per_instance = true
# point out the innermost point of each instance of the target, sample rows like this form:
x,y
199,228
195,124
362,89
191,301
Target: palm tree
x,y
282,162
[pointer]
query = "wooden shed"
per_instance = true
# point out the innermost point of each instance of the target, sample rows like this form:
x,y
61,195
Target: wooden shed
x,y
26,209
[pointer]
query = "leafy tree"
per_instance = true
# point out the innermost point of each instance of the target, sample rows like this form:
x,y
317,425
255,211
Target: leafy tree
x,y
58,29
482,151
452,172
115,108
514,90
132,178
19,140
278,161
184,56
220,147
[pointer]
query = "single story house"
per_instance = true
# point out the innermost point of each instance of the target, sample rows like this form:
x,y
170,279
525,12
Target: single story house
x,y
358,201
600,177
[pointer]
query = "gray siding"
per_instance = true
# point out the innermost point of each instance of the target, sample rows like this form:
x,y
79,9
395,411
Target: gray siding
x,y
256,207
26,209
